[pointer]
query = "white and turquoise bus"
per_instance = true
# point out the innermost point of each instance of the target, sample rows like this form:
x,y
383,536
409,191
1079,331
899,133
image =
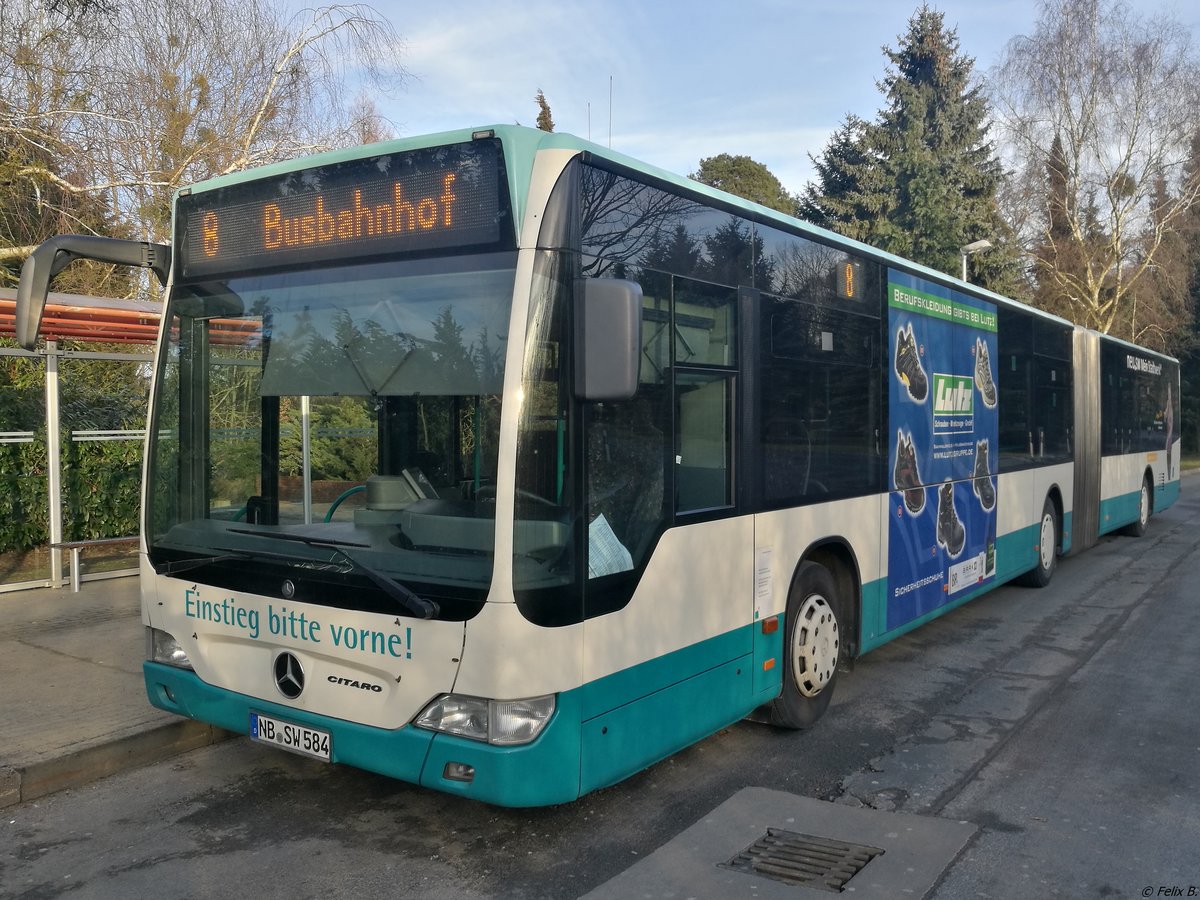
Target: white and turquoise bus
x,y
500,463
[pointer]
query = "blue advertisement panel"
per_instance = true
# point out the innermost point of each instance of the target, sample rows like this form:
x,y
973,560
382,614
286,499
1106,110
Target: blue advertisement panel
x,y
942,438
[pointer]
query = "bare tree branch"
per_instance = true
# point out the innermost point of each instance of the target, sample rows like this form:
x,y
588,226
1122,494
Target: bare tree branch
x,y
118,112
1116,96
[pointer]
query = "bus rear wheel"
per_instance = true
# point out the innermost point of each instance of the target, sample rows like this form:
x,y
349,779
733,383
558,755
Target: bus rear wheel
x,y
812,648
1145,500
1040,575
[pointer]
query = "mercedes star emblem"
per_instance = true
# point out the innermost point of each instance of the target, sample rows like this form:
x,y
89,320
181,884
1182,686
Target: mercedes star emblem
x,y
289,675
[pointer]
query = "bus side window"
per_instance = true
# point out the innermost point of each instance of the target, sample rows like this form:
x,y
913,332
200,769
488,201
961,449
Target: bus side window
x,y
787,456
626,448
1014,371
819,402
702,477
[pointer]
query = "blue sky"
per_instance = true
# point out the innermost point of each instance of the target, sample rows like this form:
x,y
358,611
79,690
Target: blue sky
x,y
770,79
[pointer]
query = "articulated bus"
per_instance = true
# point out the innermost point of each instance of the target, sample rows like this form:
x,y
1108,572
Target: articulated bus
x,y
500,463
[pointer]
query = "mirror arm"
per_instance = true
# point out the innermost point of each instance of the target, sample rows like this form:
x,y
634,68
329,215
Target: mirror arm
x,y
54,255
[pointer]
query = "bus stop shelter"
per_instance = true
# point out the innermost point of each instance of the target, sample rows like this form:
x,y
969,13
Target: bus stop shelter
x,y
72,427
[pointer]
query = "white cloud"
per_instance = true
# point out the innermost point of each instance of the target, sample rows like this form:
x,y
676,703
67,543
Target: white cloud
x,y
686,82
483,63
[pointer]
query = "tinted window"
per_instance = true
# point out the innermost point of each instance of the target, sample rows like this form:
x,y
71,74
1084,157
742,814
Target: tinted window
x,y
1035,383
819,388
1139,408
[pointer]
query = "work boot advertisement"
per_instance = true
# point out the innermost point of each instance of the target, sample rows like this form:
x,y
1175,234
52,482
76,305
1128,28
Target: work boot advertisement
x,y
942,435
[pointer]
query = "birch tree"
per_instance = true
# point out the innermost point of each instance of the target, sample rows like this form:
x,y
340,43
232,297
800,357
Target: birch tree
x,y
121,103
1098,108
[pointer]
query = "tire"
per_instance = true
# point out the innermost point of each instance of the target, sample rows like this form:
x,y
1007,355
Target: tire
x,y
1145,507
1040,575
812,648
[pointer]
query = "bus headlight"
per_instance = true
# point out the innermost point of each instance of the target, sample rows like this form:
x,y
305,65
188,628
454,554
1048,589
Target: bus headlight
x,y
501,722
163,648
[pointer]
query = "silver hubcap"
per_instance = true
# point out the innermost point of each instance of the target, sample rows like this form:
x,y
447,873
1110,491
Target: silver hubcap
x,y
815,645
1047,542
1144,505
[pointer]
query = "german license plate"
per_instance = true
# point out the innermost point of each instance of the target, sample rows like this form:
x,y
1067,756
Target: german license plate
x,y
290,736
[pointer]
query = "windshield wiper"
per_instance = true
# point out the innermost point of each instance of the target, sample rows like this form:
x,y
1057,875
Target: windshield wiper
x,y
406,597
175,566
299,538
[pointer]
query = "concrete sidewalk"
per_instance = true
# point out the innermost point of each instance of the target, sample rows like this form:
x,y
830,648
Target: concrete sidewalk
x,y
73,706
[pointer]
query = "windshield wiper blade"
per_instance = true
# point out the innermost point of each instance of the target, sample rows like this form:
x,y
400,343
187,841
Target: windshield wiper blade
x,y
405,596
299,538
176,566
299,562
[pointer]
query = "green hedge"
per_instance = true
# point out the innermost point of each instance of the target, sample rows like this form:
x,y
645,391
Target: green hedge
x,y
101,491
102,483
24,515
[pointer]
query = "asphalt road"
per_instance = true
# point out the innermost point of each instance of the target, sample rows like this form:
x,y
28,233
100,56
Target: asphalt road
x,y
1061,722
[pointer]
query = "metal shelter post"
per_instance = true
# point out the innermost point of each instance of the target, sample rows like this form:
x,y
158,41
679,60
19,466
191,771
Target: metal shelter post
x,y
306,454
54,462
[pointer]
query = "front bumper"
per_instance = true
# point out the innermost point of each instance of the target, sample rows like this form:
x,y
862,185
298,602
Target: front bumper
x,y
540,773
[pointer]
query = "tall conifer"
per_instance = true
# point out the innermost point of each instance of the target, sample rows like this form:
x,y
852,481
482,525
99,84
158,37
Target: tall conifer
x,y
921,180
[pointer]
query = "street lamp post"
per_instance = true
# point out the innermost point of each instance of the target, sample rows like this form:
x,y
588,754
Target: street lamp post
x,y
971,249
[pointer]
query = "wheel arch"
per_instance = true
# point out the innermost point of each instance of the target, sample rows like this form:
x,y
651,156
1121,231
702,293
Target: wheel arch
x,y
836,555
1054,495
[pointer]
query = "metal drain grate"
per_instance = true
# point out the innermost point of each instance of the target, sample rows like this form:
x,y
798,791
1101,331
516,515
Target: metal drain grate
x,y
801,859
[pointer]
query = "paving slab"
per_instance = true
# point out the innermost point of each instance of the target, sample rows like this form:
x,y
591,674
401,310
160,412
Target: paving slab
x,y
73,705
916,850
1096,796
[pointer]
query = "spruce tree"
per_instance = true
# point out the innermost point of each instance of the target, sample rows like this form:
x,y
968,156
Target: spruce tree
x,y
545,121
921,180
847,196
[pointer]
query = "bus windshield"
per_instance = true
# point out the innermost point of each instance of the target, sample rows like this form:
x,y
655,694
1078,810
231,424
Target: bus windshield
x,y
338,423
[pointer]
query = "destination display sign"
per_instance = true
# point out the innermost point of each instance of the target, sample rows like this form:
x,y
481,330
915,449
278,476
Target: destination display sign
x,y
420,200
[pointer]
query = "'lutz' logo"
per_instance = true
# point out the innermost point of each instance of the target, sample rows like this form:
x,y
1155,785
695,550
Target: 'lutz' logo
x,y
953,395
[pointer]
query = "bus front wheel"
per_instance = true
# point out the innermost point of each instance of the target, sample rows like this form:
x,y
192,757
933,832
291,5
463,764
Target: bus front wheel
x,y
812,648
